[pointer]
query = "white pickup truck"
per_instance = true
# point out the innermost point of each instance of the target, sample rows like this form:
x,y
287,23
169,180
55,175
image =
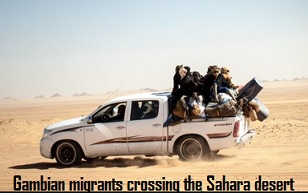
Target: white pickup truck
x,y
140,130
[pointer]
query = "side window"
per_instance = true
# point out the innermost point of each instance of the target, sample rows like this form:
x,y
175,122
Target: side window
x,y
136,112
144,109
110,113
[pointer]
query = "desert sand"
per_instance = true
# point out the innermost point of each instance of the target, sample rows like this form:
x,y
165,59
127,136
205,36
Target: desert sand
x,y
277,153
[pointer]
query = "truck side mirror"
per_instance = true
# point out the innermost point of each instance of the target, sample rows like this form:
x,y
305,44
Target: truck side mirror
x,y
89,121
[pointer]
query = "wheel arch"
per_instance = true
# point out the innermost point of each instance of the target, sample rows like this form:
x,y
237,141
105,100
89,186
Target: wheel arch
x,y
54,147
176,143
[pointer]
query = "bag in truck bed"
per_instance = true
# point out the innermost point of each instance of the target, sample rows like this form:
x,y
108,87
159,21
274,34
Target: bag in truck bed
x,y
261,110
225,109
251,89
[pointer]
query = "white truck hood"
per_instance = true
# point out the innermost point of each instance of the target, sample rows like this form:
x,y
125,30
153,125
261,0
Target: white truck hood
x,y
67,124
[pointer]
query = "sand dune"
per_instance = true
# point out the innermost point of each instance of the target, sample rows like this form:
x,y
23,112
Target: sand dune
x,y
279,151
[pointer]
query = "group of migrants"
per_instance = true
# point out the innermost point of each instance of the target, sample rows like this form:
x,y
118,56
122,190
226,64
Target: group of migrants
x,y
213,95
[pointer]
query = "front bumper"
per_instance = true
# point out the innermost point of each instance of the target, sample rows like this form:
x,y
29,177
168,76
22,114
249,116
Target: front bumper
x,y
45,147
246,139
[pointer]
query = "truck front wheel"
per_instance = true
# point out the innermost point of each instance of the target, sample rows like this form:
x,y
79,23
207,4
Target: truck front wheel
x,y
68,153
192,148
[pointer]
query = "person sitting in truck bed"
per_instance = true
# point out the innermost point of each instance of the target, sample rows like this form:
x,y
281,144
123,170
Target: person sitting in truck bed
x,y
194,90
194,85
180,85
208,81
225,84
181,77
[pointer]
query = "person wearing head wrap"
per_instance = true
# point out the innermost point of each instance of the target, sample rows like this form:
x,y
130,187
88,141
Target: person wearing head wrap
x,y
208,82
181,77
195,100
225,84
187,90
180,80
176,78
227,79
148,111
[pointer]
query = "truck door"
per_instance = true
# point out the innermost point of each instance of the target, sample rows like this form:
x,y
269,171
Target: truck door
x,y
106,134
145,126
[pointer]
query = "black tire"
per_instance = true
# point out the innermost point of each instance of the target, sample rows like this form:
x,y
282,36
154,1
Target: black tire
x,y
68,153
191,148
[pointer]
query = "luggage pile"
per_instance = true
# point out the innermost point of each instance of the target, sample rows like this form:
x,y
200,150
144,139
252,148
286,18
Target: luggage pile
x,y
221,103
245,101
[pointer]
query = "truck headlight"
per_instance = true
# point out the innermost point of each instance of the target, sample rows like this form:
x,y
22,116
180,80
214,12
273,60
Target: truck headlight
x,y
46,133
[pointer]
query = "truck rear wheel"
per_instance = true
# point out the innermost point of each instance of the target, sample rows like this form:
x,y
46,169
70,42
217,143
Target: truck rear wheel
x,y
68,153
192,148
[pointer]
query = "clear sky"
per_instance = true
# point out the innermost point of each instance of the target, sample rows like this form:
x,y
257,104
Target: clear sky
x,y
96,46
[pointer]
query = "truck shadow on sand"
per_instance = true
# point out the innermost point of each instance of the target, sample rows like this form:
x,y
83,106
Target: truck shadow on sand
x,y
107,163
120,162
